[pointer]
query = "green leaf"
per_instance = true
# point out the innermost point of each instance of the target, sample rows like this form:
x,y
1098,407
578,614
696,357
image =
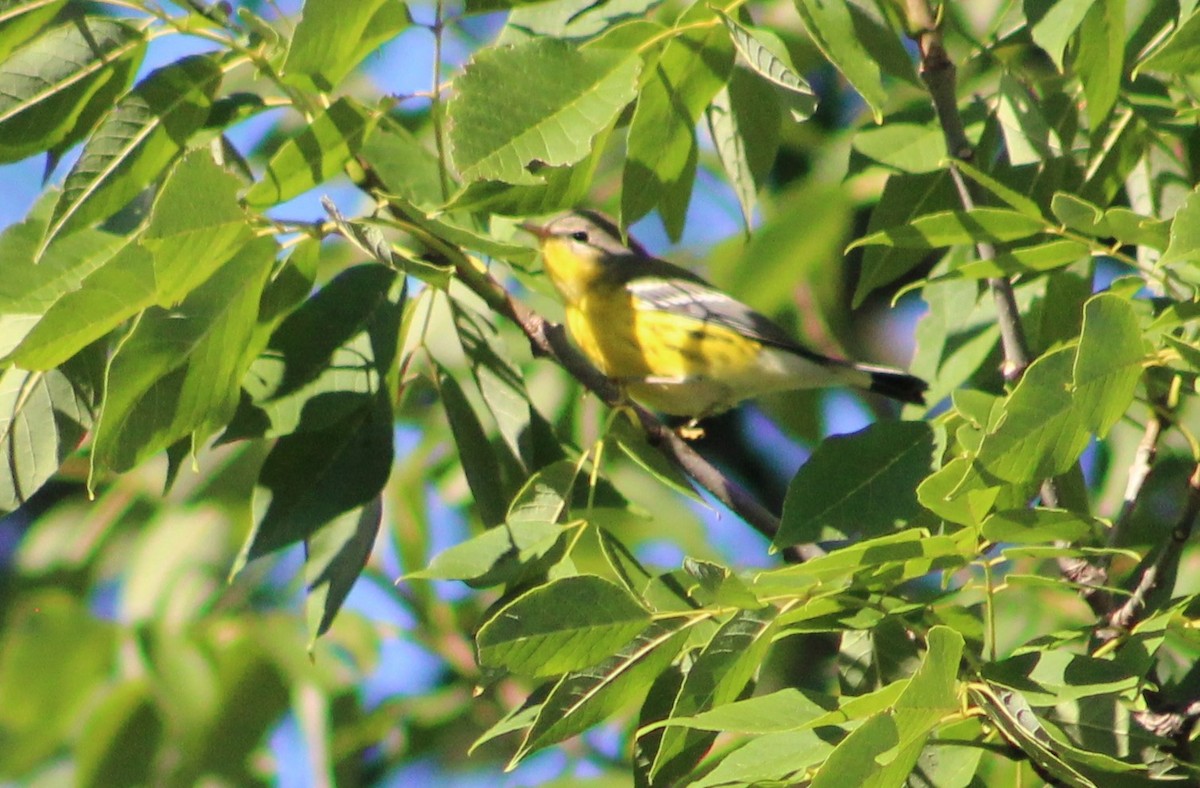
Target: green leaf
x,y
483,560
406,167
947,228
1011,714
958,493
721,672
501,382
445,228
313,155
581,699
1038,526
1100,61
28,291
766,55
1035,258
859,484
312,478
136,142
122,735
1110,361
1180,53
904,197
884,749
121,287
1042,433
43,417
1183,247
565,19
743,121
776,758
535,104
1068,394
325,360
1053,30
903,147
46,85
479,462
332,37
178,371
661,152
1136,229
1011,196
885,559
22,19
1078,214
195,225
565,625
334,556
370,239
832,28
1028,137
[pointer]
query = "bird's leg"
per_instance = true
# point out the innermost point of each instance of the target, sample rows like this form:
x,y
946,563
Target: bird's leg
x,y
690,431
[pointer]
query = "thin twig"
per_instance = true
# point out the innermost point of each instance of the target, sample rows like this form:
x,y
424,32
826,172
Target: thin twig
x,y
939,75
1124,617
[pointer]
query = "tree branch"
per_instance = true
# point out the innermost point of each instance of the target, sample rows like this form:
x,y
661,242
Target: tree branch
x,y
1163,565
939,75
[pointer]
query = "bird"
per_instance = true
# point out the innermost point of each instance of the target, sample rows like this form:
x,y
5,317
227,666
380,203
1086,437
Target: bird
x,y
674,342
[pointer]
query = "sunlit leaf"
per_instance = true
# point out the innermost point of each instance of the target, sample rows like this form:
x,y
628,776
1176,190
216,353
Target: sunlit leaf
x,y
46,85
536,104
136,142
565,625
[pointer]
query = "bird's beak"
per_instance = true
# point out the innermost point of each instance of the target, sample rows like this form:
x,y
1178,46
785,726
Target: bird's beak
x,y
536,230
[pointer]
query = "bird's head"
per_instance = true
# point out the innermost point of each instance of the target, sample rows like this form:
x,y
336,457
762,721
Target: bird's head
x,y
580,246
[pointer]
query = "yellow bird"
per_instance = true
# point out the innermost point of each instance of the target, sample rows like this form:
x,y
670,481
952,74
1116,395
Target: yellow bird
x,y
673,341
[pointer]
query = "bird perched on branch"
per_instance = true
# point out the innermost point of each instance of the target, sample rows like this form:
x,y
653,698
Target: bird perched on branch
x,y
673,341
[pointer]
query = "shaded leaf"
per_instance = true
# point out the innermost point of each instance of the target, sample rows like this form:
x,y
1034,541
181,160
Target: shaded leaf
x,y
720,673
1180,53
325,360
334,557
860,484
479,462
312,478
314,155
178,371
743,121
43,417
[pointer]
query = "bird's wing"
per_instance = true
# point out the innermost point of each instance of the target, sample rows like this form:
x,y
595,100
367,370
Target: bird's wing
x,y
693,297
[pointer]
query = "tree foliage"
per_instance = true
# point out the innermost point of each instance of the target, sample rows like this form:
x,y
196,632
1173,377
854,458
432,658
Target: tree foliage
x,y
232,417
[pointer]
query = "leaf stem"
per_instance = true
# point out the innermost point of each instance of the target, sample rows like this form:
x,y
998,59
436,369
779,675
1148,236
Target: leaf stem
x,y
435,100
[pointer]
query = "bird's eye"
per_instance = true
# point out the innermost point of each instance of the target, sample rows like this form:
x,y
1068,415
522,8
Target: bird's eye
x,y
580,235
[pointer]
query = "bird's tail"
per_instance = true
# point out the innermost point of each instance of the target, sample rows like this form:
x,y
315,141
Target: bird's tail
x,y
893,383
